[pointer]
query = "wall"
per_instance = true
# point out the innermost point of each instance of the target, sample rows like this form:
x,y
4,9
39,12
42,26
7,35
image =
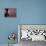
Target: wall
x,y
28,12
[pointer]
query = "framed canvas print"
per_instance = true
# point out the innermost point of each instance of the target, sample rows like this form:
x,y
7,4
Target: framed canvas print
x,y
10,12
32,32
